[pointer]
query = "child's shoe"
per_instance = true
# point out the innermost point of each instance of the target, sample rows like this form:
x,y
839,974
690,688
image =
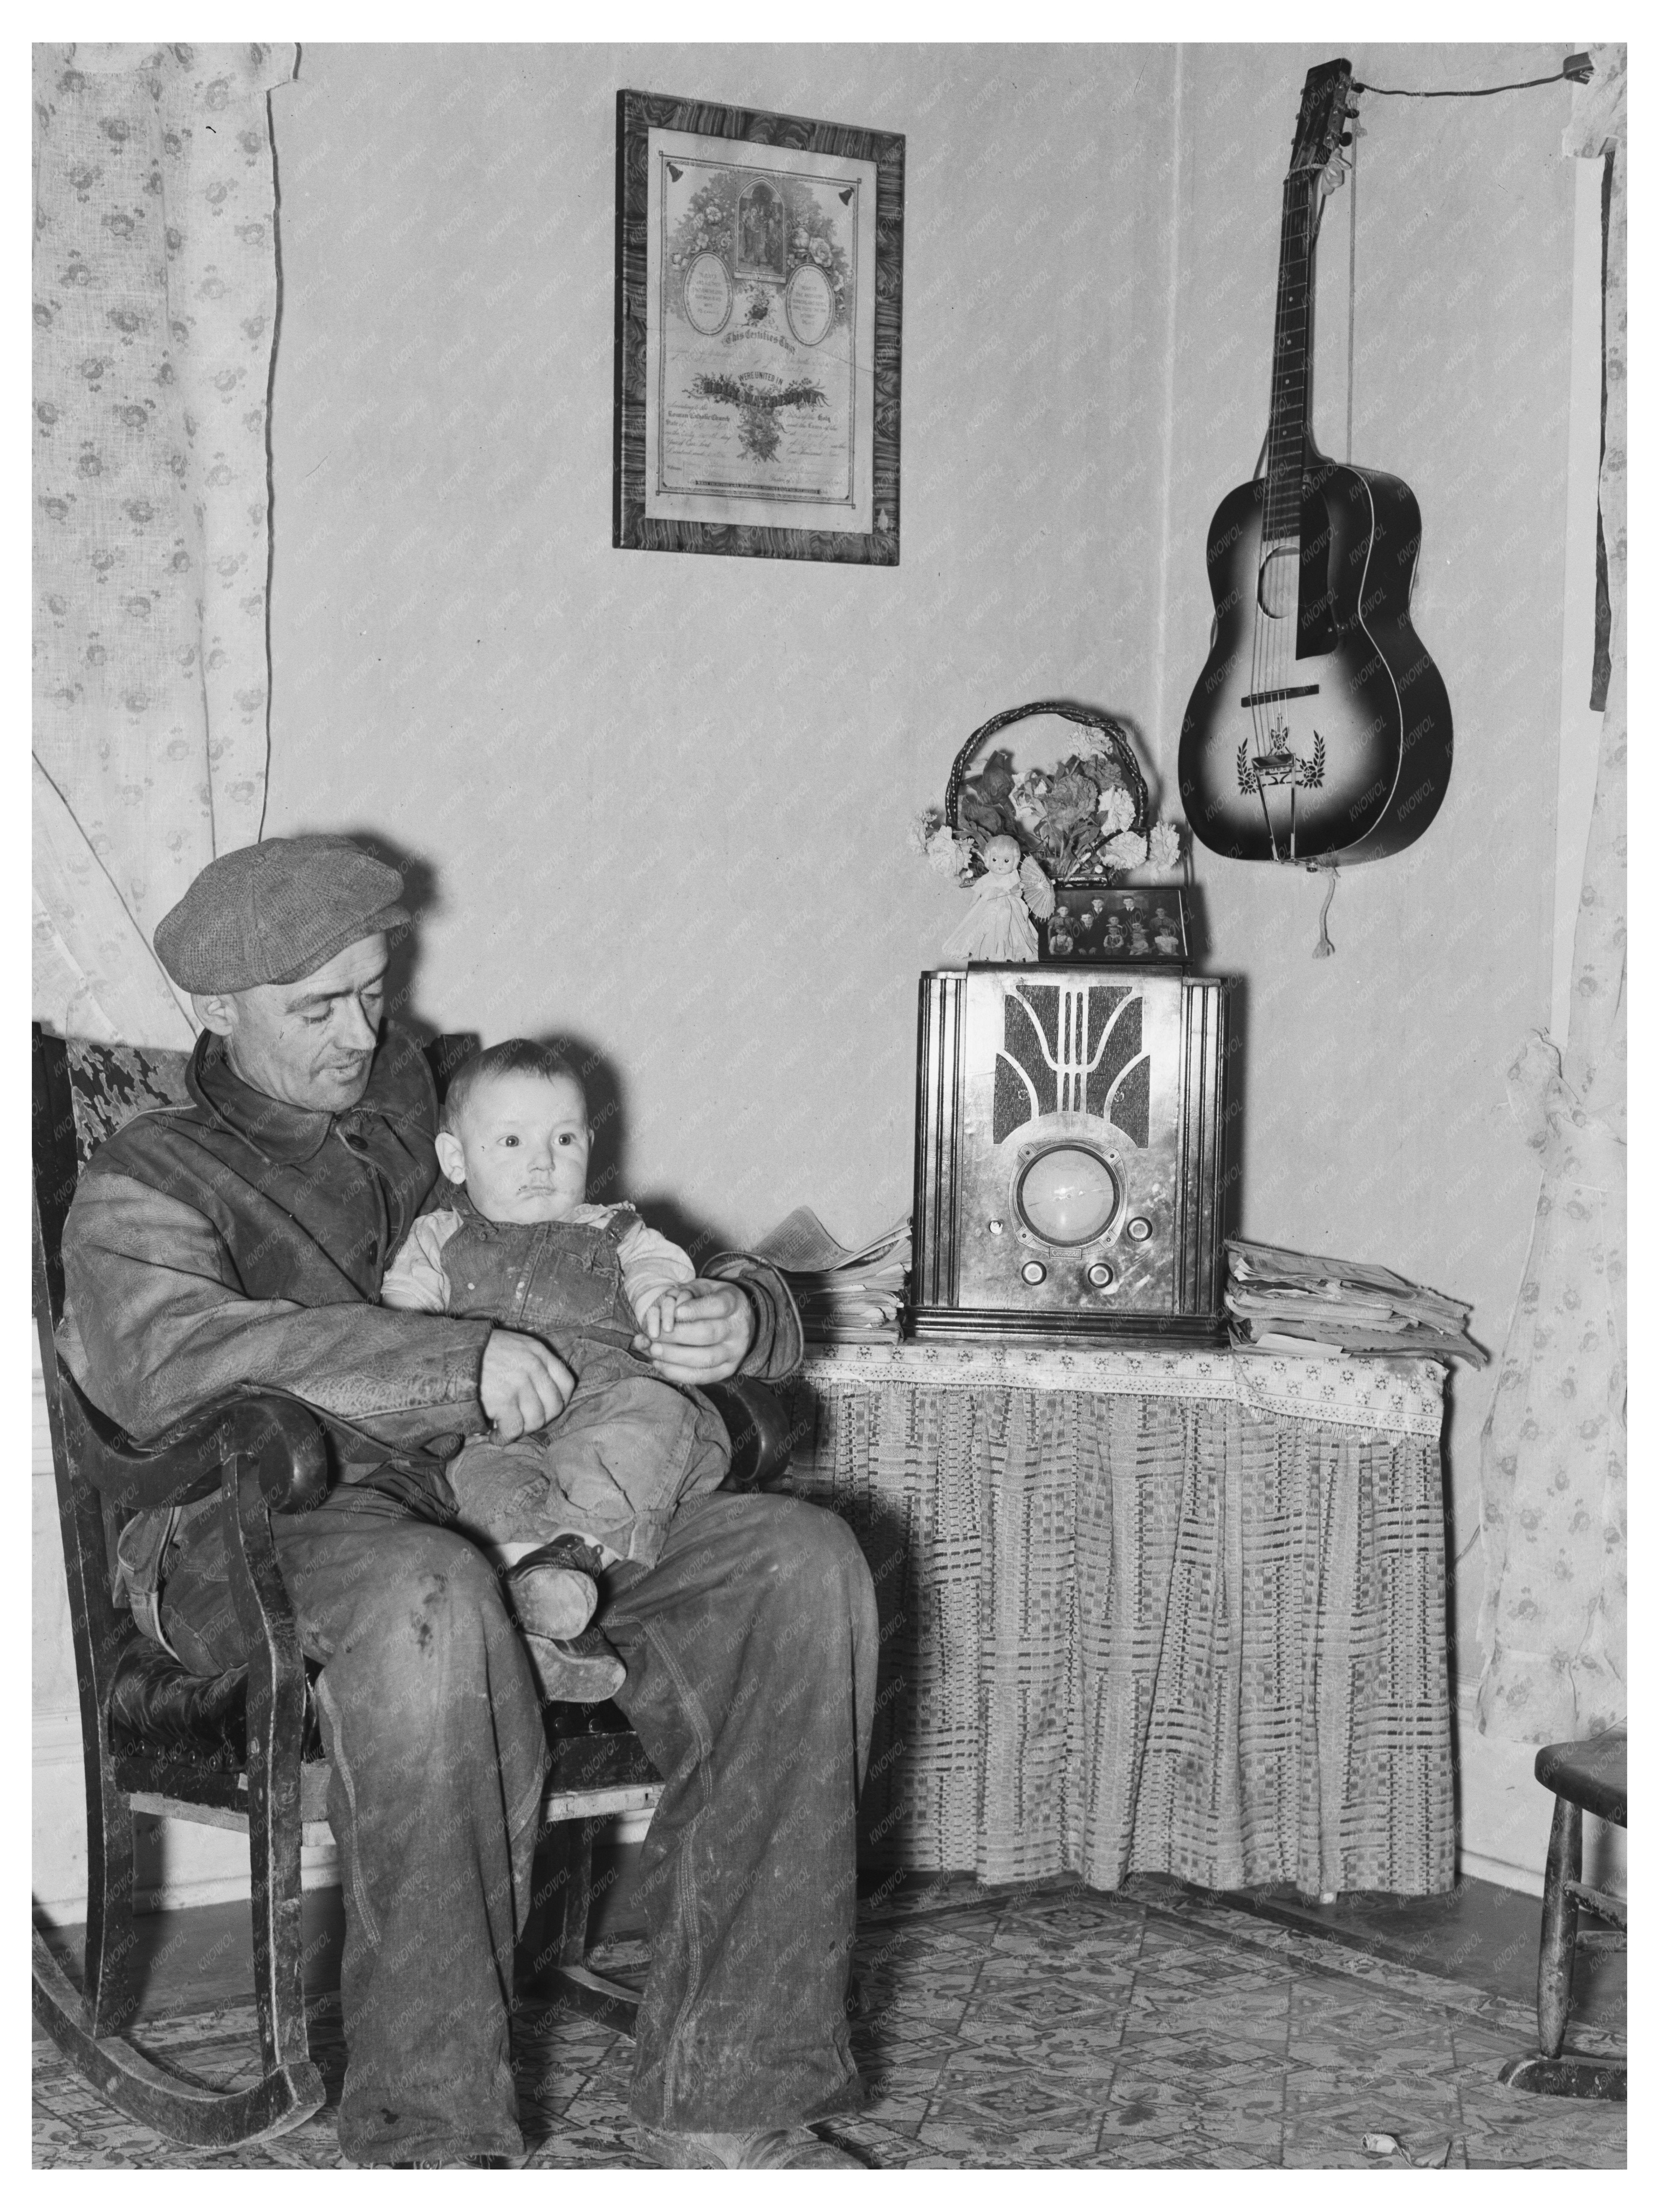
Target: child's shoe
x,y
579,1670
552,1592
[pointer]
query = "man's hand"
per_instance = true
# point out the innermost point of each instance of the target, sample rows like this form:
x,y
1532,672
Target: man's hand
x,y
522,1386
712,1327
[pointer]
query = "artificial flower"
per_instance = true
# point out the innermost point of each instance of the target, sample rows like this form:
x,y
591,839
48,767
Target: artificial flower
x,y
1126,850
820,253
948,853
1164,846
1117,810
1070,803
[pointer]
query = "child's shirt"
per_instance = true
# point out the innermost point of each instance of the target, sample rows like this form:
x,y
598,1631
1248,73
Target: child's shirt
x,y
418,1281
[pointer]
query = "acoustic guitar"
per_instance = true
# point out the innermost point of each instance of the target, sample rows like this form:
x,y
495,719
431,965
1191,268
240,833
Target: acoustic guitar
x,y
1319,726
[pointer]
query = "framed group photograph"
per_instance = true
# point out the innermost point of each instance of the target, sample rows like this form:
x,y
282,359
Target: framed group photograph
x,y
759,289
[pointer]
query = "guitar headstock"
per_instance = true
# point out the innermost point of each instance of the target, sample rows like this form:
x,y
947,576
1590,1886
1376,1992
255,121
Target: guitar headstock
x,y
1323,125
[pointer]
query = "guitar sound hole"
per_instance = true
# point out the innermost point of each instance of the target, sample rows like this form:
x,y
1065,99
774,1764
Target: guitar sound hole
x,y
1276,587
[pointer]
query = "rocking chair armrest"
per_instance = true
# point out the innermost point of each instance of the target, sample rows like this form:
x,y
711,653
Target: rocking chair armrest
x,y
759,1430
284,1441
275,1432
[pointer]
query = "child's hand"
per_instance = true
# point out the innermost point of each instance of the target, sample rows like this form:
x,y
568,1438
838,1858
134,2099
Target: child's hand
x,y
659,1317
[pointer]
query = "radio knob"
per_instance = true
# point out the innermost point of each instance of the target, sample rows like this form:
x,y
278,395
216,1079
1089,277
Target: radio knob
x,y
1140,1229
1101,1276
1033,1272
995,1228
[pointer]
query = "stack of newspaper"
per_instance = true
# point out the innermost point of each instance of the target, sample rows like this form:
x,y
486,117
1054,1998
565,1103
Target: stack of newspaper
x,y
1280,1301
844,1297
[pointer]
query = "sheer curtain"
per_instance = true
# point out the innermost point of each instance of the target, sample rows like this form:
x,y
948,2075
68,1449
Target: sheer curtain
x,y
1553,1451
154,300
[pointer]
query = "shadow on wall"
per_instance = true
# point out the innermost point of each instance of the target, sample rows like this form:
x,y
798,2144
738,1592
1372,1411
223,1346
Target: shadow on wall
x,y
607,1176
1236,990
608,1179
420,895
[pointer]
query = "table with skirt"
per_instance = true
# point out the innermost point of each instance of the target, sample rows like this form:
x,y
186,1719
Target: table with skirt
x,y
1170,1612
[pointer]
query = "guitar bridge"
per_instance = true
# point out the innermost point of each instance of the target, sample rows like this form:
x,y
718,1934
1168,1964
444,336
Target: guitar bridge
x,y
1266,698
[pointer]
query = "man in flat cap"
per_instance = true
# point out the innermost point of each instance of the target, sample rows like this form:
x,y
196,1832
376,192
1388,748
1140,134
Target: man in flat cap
x,y
242,1239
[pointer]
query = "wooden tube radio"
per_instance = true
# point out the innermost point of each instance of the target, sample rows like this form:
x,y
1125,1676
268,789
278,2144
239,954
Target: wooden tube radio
x,y
1069,1143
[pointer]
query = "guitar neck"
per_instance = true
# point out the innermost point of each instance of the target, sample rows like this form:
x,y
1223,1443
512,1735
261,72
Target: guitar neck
x,y
1288,422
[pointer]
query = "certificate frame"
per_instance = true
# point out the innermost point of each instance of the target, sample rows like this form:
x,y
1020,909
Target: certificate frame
x,y
759,305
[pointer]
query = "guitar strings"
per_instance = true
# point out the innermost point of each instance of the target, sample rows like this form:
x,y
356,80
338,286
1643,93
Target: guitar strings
x,y
1262,656
1275,649
1351,165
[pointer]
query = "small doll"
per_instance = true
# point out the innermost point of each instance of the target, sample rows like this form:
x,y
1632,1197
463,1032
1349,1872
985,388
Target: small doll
x,y
997,925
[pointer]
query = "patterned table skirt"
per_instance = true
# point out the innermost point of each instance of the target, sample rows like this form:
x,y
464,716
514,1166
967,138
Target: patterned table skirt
x,y
1178,1612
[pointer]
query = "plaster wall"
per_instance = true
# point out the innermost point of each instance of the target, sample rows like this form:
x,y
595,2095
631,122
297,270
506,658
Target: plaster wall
x,y
664,797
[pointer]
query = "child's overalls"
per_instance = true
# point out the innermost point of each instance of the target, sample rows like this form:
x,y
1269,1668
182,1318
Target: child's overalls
x,y
628,1446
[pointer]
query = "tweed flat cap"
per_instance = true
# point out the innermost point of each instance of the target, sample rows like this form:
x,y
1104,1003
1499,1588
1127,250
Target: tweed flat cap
x,y
274,912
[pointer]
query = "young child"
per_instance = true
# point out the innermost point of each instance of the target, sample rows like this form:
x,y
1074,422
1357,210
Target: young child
x,y
519,1245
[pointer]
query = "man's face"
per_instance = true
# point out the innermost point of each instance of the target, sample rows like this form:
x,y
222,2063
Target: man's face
x,y
308,1043
521,1148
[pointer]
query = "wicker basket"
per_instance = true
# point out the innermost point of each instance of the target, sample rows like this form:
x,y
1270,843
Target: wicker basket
x,y
1094,919
1117,746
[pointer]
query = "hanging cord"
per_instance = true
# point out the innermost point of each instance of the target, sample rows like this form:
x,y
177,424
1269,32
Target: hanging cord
x,y
1577,68
1324,949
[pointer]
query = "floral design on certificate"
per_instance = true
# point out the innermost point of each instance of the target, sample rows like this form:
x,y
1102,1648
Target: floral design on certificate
x,y
760,324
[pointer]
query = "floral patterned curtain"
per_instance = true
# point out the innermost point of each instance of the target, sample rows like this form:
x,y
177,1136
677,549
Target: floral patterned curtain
x,y
1553,1451
155,313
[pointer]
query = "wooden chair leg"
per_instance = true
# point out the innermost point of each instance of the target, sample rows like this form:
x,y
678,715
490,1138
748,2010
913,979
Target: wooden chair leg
x,y
276,1724
554,1922
1550,2072
598,1996
1560,1928
109,1981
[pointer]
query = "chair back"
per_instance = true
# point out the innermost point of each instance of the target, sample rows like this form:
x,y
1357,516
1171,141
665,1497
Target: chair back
x,y
102,1631
84,1092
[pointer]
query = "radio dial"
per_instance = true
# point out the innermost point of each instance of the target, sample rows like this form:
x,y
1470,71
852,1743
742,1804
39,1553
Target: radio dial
x,y
1033,1272
1101,1276
995,1228
1066,1194
1140,1229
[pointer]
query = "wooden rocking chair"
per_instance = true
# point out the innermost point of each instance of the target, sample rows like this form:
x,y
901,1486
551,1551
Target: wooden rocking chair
x,y
242,1750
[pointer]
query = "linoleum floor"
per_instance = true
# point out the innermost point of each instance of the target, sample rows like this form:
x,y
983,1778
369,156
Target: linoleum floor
x,y
1058,2027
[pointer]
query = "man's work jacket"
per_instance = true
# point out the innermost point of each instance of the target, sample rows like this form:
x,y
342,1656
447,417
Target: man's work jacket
x,y
240,1240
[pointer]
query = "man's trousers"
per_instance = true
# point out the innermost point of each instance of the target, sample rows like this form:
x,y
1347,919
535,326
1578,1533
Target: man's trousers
x,y
751,1648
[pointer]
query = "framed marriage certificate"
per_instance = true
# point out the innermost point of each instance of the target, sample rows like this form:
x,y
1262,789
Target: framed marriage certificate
x,y
758,290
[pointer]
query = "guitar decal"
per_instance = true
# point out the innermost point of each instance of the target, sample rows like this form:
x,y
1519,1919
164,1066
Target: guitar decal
x,y
1280,763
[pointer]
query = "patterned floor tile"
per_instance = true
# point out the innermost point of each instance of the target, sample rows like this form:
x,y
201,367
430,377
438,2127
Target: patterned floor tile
x,y
1045,2030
